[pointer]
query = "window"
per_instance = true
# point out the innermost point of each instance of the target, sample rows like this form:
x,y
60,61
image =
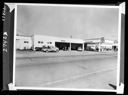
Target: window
x,y
25,41
48,47
40,42
49,42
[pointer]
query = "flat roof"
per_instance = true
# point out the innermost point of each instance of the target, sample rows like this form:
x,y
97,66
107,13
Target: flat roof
x,y
61,39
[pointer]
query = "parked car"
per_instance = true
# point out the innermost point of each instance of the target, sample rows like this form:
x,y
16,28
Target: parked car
x,y
88,48
38,48
79,49
50,49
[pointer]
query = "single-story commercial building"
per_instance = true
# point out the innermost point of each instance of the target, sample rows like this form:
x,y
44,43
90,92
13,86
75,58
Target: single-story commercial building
x,y
60,42
23,42
99,44
107,45
38,41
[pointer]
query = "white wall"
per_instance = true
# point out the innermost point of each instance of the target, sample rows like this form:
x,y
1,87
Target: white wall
x,y
20,42
34,41
105,45
46,39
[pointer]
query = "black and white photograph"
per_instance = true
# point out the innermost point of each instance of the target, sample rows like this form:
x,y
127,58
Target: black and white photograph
x,y
66,47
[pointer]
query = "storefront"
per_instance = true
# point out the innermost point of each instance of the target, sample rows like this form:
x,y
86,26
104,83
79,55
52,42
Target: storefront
x,y
62,43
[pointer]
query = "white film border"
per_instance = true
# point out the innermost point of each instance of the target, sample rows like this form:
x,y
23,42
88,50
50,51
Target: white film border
x,y
119,89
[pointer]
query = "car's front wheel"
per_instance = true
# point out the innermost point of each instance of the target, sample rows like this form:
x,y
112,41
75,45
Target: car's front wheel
x,y
57,50
46,51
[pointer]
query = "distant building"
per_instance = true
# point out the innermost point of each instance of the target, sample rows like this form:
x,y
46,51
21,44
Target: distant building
x,y
23,42
107,45
99,44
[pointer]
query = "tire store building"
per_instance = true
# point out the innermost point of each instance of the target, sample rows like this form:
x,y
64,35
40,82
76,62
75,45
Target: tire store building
x,y
61,43
66,44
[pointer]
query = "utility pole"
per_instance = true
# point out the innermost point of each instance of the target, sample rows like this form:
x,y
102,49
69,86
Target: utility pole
x,y
83,46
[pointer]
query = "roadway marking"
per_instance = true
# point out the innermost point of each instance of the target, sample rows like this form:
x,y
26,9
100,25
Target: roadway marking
x,y
78,76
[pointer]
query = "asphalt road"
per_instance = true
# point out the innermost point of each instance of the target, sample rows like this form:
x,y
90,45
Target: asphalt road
x,y
79,71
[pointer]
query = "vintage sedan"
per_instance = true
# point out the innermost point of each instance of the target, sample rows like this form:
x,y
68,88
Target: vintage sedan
x,y
50,49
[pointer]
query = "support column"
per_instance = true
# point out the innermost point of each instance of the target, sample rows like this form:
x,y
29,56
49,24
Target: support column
x,y
69,46
83,46
99,48
33,46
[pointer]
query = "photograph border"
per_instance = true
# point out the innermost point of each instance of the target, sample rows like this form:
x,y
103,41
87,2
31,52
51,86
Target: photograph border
x,y
68,5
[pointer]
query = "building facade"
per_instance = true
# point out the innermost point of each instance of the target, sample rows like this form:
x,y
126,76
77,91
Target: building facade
x,y
99,44
61,43
38,41
24,42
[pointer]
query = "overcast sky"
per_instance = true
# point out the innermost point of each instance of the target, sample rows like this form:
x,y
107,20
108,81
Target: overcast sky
x,y
83,23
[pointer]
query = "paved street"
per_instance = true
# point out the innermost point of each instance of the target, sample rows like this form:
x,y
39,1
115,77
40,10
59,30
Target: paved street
x,y
70,70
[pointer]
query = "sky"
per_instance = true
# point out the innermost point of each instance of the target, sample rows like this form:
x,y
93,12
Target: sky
x,y
78,22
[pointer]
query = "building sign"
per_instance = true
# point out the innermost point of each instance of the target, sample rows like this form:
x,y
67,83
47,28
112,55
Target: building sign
x,y
91,45
62,40
102,40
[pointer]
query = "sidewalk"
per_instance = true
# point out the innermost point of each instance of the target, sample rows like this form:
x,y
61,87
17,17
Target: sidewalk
x,y
23,54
